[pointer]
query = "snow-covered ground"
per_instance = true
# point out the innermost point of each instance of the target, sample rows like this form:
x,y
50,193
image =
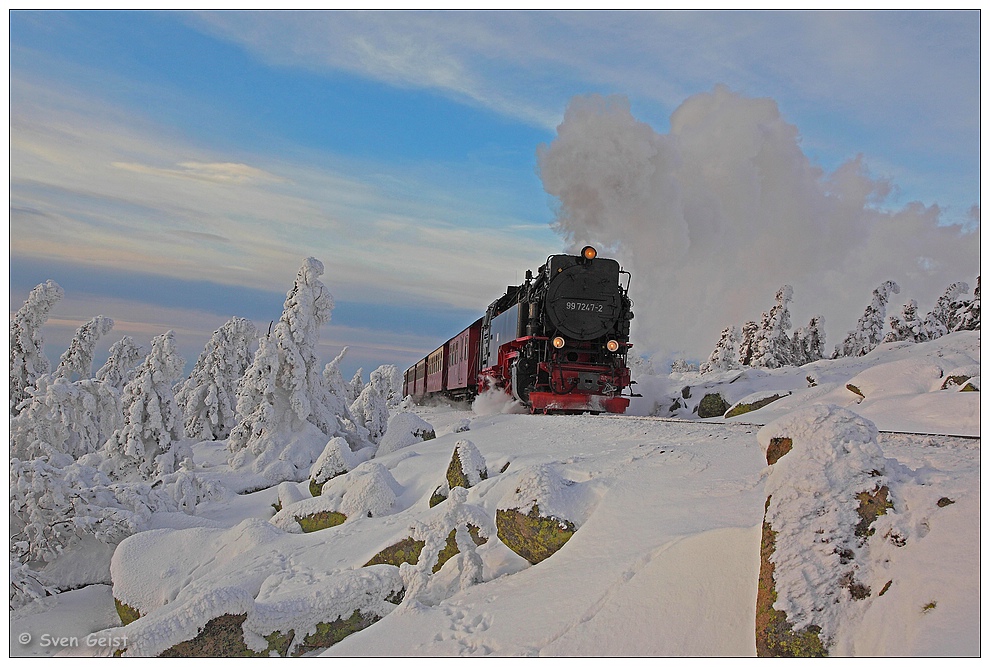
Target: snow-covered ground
x,y
668,508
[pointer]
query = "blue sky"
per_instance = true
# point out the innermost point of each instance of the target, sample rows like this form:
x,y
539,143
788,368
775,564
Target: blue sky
x,y
173,169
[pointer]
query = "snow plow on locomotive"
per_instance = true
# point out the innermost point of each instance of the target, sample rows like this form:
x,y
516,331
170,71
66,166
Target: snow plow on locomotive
x,y
556,343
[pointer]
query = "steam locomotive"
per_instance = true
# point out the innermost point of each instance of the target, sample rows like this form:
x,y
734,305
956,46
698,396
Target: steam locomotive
x,y
556,343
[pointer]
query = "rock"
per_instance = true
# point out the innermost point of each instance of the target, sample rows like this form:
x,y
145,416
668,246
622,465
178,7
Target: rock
x,y
310,523
533,536
467,468
753,402
404,429
336,459
822,457
854,389
407,550
127,613
712,405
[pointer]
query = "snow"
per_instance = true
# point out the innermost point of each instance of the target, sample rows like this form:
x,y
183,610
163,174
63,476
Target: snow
x,y
666,556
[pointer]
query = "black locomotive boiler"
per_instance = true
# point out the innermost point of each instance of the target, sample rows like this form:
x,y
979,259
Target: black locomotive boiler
x,y
556,343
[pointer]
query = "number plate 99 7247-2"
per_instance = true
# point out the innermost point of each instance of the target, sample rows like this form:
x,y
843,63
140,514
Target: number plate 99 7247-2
x,y
584,306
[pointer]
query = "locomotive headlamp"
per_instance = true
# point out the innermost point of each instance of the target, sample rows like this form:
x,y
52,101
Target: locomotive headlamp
x,y
589,252
612,345
558,342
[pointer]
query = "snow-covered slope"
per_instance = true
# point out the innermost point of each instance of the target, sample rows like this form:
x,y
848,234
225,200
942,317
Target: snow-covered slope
x,y
665,559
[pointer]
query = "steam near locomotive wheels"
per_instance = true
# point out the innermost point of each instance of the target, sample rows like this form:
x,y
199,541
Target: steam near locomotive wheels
x,y
556,343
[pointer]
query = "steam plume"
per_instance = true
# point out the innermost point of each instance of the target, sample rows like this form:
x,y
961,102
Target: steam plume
x,y
715,216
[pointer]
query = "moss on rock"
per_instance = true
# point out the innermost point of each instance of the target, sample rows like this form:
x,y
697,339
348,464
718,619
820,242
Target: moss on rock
x,y
532,536
455,472
856,390
127,613
329,633
320,520
712,405
404,551
450,549
743,408
871,505
775,635
777,448
315,488
223,637
438,497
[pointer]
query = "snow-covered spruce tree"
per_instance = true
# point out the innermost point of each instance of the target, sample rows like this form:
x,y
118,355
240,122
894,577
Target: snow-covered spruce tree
x,y
773,342
77,361
387,379
967,315
907,326
723,357
808,344
371,411
356,385
869,329
150,441
65,420
283,391
208,397
942,318
27,357
747,344
337,392
121,365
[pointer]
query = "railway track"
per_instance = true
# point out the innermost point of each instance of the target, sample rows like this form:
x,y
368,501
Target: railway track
x,y
725,422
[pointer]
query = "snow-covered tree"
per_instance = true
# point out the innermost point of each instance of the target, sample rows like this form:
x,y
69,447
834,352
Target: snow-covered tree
x,y
283,388
371,411
773,342
723,357
682,366
747,344
53,508
869,329
967,315
27,358
121,365
77,361
208,397
942,318
387,379
907,326
808,344
150,440
337,390
65,420
356,385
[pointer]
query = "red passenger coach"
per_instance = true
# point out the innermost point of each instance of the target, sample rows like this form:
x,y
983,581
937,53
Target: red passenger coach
x,y
462,365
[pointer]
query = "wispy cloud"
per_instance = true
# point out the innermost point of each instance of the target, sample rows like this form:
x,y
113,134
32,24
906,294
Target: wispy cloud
x,y
216,172
94,184
896,86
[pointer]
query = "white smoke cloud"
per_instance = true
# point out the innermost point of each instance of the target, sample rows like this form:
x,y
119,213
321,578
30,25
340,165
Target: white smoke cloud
x,y
713,217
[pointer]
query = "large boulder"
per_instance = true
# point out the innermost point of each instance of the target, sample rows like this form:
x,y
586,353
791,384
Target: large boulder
x,y
404,429
534,520
827,486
